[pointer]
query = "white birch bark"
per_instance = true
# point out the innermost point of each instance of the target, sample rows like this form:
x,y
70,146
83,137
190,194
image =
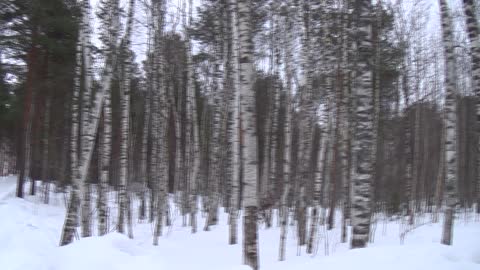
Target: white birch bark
x,y
125,111
473,31
248,120
144,154
362,180
71,217
86,118
235,134
113,25
274,141
160,109
192,128
345,125
288,39
450,191
318,180
80,169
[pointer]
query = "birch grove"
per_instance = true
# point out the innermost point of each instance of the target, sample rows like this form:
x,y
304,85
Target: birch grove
x,y
303,116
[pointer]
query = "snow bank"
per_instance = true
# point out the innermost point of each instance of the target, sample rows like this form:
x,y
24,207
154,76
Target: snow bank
x,y
30,231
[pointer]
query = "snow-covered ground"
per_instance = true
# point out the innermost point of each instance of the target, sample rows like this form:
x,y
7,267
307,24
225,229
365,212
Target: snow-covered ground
x,y
30,231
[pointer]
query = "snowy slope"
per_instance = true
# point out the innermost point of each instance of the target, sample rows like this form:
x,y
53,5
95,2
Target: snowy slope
x,y
30,231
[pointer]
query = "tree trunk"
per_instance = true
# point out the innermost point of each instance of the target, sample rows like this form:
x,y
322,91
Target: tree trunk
x,y
28,113
124,204
473,31
235,128
71,217
288,137
45,165
317,186
248,120
450,124
160,120
362,182
80,169
86,117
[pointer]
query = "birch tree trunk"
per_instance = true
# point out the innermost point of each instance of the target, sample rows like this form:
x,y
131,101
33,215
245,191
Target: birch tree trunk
x,y
192,128
450,192
144,154
124,128
86,116
160,108
235,127
80,169
473,31
248,120
102,203
152,140
275,166
440,175
318,180
71,218
306,122
288,137
362,180
345,125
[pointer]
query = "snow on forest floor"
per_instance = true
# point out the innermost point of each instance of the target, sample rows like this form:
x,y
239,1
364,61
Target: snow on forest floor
x,y
30,232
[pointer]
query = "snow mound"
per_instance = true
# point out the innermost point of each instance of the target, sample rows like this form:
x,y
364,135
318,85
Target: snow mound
x,y
114,251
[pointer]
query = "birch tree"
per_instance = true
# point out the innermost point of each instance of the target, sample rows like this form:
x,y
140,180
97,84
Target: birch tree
x,y
248,120
81,167
160,112
473,31
69,226
191,128
111,25
235,126
125,110
86,117
362,179
450,192
288,137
